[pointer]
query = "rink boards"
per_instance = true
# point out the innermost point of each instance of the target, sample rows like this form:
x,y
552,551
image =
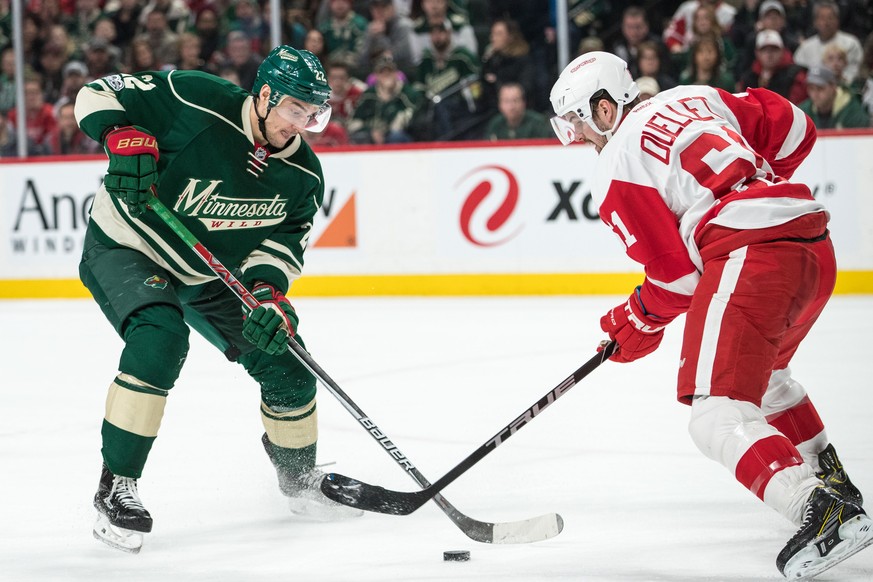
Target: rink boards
x,y
438,219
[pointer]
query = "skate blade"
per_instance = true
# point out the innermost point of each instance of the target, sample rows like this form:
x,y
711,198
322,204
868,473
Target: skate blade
x,y
318,510
117,537
856,534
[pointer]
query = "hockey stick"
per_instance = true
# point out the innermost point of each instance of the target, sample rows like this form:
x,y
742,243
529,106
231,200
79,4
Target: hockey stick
x,y
362,495
514,532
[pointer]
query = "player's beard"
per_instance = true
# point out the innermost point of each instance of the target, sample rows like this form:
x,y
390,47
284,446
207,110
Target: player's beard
x,y
278,140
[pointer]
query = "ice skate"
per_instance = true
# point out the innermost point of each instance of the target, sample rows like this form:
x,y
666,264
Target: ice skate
x,y
833,529
834,476
121,517
303,491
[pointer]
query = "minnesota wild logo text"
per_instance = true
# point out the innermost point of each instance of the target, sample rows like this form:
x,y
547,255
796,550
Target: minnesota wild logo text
x,y
204,201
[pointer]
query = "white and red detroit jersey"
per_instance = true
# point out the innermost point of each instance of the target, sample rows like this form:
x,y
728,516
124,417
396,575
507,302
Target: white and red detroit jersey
x,y
692,156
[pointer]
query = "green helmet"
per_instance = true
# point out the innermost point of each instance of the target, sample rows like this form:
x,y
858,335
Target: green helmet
x,y
295,73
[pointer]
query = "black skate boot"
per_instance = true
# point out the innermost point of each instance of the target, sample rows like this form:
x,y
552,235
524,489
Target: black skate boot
x,y
121,517
303,490
834,476
833,529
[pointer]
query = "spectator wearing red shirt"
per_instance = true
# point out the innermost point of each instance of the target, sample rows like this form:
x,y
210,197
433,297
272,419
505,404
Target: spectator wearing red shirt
x,y
67,138
40,117
344,91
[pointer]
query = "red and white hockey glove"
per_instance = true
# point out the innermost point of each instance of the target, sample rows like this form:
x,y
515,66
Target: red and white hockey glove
x,y
636,333
272,322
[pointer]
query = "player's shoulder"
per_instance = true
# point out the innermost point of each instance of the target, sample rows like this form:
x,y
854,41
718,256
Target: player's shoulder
x,y
204,89
303,158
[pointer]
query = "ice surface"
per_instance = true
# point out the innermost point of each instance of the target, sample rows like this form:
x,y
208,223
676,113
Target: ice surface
x,y
440,377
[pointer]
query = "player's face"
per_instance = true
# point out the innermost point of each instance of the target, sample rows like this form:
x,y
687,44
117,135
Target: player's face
x,y
586,133
288,118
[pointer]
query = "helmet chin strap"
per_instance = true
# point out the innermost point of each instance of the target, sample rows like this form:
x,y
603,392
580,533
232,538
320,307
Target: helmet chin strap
x,y
262,126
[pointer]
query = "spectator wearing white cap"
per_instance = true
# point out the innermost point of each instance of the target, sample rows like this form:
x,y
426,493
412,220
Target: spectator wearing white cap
x,y
771,15
826,21
75,75
831,106
774,69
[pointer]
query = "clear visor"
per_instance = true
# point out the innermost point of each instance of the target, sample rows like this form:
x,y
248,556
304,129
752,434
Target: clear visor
x,y
565,130
303,115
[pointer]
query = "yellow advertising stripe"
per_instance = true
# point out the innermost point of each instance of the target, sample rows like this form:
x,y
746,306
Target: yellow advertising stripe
x,y
848,283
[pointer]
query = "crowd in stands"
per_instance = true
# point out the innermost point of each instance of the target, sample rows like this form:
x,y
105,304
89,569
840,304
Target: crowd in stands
x,y
427,70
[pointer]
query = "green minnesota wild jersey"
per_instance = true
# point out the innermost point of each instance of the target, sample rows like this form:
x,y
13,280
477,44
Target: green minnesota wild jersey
x,y
251,209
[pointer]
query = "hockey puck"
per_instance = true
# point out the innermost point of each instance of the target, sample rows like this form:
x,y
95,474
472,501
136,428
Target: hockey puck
x,y
456,556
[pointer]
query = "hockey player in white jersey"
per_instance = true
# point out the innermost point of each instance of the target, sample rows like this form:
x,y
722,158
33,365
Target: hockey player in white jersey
x,y
695,183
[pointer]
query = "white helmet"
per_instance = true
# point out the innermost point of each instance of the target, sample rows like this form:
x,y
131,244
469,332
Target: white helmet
x,y
582,79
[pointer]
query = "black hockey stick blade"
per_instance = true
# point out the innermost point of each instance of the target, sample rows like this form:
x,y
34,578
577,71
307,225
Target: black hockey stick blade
x,y
355,493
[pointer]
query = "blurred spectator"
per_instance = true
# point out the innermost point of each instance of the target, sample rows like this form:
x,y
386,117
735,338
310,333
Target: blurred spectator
x,y
125,14
294,26
385,110
650,64
589,44
75,76
515,120
228,73
333,135
105,28
445,75
343,32
648,86
189,53
437,12
40,118
9,142
771,16
142,57
30,38
67,138
50,13
831,106
635,31
705,24
345,90
705,65
7,80
245,16
387,32
163,41
534,21
51,64
774,69
835,58
80,25
826,20
678,34
176,13
864,83
506,59
314,43
241,58
207,27
57,35
101,58
5,23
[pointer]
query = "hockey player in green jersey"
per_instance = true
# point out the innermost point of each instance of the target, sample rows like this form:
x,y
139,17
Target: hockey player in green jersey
x,y
234,170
